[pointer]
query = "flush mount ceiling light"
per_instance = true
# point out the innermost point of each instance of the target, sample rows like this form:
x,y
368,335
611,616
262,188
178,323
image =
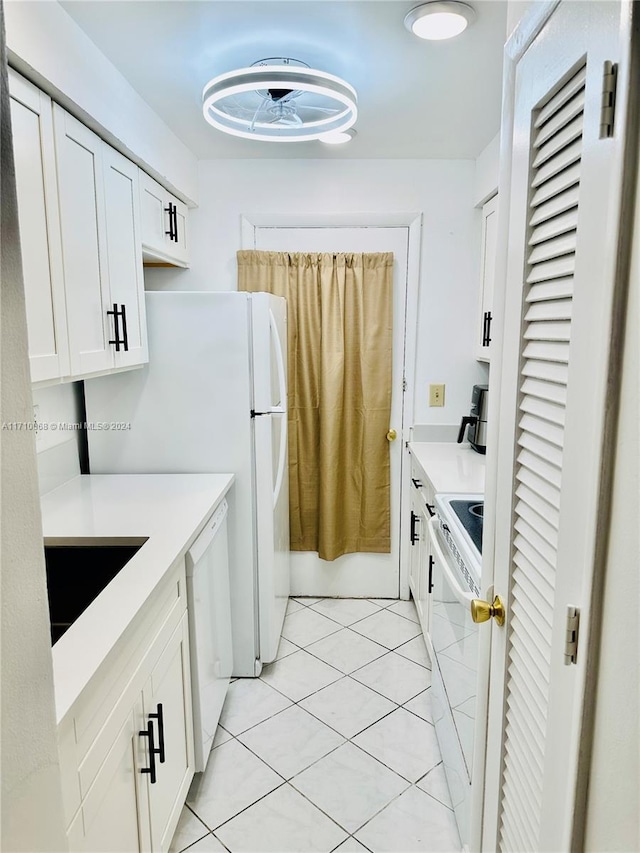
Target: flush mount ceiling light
x,y
279,100
338,137
439,20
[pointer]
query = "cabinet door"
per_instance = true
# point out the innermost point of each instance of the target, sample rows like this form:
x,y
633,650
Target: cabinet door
x,y
39,229
155,219
168,693
162,240
180,248
114,809
414,554
489,244
82,219
124,248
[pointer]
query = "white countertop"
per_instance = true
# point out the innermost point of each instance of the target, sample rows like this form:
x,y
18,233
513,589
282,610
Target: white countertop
x,y
450,467
168,509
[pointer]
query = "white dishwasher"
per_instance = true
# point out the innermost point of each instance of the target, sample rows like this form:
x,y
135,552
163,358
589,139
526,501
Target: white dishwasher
x,y
209,630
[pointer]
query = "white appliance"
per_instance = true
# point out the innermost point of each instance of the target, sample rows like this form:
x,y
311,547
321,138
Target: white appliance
x,y
213,398
456,541
210,642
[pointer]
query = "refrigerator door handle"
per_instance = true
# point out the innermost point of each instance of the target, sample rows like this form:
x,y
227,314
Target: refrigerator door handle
x,y
282,375
282,459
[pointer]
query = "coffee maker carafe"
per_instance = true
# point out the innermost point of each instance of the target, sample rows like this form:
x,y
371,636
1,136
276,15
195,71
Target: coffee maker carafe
x,y
476,422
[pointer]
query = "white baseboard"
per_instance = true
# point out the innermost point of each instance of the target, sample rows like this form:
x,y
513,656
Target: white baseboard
x,y
351,576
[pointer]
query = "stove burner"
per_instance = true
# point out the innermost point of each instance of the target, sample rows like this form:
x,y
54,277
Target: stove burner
x,y
470,514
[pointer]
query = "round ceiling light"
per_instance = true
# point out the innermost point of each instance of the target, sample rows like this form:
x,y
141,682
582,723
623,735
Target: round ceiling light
x,y
338,137
279,100
439,20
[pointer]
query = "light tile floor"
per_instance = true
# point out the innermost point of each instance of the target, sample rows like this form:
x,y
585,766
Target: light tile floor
x,y
332,748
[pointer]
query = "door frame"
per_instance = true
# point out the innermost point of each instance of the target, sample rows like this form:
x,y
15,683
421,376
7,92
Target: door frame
x,y
412,220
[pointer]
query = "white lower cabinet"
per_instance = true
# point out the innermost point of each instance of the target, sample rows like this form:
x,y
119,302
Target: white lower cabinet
x,y
420,559
167,698
114,812
126,747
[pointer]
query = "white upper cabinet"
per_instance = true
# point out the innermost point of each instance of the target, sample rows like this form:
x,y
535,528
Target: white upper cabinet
x,y
164,224
84,245
39,230
126,283
489,244
79,216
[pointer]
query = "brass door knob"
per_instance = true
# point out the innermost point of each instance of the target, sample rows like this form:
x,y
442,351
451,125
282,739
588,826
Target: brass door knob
x,y
482,611
392,435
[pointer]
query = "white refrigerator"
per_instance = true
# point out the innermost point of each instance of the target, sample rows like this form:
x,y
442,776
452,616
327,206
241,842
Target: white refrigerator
x,y
213,398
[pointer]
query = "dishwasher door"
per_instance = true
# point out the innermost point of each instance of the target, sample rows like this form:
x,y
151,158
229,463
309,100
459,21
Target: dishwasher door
x,y
209,630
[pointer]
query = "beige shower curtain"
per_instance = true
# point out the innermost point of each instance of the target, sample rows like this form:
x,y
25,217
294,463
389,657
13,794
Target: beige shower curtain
x,y
340,352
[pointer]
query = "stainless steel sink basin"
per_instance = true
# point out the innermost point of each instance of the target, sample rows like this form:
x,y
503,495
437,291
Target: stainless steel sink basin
x,y
77,572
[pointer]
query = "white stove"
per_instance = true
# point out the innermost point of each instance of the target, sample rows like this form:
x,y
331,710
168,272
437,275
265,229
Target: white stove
x,y
456,544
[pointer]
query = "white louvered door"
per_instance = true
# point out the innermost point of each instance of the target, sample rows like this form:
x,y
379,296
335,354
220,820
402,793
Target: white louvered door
x,y
564,208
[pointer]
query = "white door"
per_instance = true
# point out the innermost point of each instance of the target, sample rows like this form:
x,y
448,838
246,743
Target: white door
x,y
372,575
564,209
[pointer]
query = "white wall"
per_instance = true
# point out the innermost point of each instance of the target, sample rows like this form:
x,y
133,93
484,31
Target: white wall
x,y
47,46
441,189
57,443
487,172
612,818
31,793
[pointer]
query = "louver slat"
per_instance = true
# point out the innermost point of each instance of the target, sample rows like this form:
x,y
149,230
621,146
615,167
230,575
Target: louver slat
x,y
561,119
531,701
569,89
550,309
565,157
547,411
567,221
546,370
545,490
565,244
564,137
545,391
523,718
557,185
544,429
546,530
545,352
555,268
556,205
550,515
542,581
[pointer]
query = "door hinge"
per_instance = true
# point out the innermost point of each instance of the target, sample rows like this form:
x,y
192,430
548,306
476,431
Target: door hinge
x,y
571,638
607,110
404,384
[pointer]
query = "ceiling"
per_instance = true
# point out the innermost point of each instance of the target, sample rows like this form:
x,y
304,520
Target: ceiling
x,y
417,99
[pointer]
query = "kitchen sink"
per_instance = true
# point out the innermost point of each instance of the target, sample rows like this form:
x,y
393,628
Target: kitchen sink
x,y
78,571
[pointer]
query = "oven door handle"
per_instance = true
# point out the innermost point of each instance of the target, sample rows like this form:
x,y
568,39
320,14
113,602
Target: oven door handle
x,y
465,598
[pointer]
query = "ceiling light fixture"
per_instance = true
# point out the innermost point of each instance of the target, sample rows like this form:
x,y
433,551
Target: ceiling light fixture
x,y
279,100
438,20
338,137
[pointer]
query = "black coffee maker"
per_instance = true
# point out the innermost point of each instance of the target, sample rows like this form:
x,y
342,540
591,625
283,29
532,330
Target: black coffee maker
x,y
475,424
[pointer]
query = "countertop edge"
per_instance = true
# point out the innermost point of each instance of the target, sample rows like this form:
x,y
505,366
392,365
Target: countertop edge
x,y
73,672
